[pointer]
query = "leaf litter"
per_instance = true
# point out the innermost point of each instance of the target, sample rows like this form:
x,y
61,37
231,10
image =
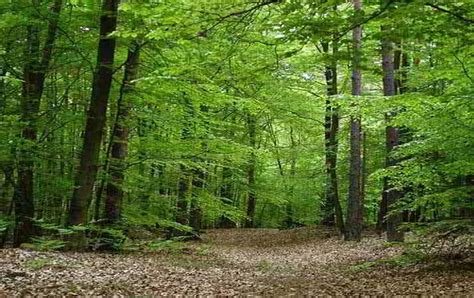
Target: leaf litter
x,y
251,262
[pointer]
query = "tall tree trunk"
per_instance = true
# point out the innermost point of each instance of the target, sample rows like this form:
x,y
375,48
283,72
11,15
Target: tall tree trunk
x,y
390,195
3,97
252,198
331,210
9,180
96,116
289,220
182,198
199,176
34,75
114,189
363,169
383,207
185,180
227,197
354,219
195,212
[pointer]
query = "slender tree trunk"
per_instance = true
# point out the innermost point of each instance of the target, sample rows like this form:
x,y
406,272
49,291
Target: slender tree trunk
x,y
363,169
96,116
227,197
199,176
226,189
9,180
34,75
404,73
182,198
252,198
195,213
7,166
114,191
383,207
98,204
390,194
332,211
289,221
3,97
354,219
185,179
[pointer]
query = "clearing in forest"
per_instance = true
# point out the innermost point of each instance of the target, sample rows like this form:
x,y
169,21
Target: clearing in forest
x,y
267,262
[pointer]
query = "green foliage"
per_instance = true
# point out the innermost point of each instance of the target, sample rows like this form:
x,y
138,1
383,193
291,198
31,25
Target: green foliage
x,y
40,263
5,223
166,246
45,244
452,239
105,238
265,266
206,66
408,258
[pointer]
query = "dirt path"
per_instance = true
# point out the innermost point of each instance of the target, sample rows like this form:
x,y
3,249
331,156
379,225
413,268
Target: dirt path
x,y
232,262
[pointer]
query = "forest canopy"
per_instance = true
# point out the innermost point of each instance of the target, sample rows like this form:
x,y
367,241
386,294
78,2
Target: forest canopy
x,y
179,116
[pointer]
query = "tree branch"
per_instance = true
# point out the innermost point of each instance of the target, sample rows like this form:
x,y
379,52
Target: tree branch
x,y
462,18
370,18
239,14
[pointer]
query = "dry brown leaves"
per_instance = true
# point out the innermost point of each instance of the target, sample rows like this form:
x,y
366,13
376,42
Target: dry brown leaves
x,y
238,262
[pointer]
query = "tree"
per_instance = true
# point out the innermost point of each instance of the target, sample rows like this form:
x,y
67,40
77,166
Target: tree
x,y
236,118
34,75
390,194
355,205
251,167
332,206
120,134
96,116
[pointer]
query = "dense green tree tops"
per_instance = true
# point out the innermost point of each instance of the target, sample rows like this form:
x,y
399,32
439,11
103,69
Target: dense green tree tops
x,y
236,113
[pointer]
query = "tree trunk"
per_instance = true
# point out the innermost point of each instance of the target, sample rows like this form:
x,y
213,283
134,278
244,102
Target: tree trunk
x,y
289,220
381,225
354,219
199,175
185,181
331,210
252,198
195,213
390,195
182,198
34,75
114,191
227,197
363,169
96,116
3,97
9,180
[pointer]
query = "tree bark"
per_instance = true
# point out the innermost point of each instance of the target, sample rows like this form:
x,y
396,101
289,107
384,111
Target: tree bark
x,y
34,76
114,189
199,175
195,213
390,195
185,181
3,97
289,220
354,219
96,116
182,198
227,197
331,210
252,198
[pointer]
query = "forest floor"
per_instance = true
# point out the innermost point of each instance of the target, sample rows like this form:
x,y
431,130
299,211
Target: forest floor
x,y
261,262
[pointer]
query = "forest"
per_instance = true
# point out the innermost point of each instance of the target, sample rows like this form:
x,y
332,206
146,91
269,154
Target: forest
x,y
236,147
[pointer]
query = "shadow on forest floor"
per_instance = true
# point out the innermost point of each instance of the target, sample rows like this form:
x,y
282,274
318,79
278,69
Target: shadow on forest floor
x,y
303,261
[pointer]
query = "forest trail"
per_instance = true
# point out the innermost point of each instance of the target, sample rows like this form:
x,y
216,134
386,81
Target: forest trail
x,y
260,262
